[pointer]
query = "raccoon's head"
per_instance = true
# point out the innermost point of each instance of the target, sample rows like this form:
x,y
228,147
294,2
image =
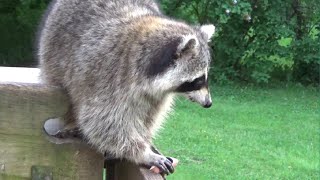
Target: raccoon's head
x,y
184,66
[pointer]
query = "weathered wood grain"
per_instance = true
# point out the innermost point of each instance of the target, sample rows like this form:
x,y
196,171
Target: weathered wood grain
x,y
23,142
25,105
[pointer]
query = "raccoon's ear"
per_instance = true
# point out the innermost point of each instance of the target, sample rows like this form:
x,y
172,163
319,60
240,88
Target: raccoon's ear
x,y
208,30
188,43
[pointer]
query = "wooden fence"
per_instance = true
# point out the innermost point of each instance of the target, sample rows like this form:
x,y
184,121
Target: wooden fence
x,y
27,152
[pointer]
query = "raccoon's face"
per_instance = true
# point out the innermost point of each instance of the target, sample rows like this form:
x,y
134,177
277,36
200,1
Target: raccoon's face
x,y
193,72
188,70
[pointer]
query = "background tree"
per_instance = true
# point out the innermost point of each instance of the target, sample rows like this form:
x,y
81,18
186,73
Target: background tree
x,y
257,41
18,26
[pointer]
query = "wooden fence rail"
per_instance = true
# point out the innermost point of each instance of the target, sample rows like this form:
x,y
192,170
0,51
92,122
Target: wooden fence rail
x,y
27,152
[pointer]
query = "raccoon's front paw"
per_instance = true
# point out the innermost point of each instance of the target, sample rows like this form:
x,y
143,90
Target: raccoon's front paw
x,y
163,163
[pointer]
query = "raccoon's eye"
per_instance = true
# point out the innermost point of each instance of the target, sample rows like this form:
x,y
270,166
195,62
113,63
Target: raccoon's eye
x,y
200,81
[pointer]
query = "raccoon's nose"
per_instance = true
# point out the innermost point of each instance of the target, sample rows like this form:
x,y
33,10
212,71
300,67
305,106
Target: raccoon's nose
x,y
208,104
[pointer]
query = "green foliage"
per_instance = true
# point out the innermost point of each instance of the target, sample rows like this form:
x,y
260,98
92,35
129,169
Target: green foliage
x,y
307,60
29,11
257,41
18,21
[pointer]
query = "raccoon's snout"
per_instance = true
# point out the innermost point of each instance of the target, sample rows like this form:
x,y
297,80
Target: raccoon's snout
x,y
201,96
208,102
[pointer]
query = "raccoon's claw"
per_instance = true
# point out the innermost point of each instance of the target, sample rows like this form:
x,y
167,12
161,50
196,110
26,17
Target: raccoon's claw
x,y
164,165
169,165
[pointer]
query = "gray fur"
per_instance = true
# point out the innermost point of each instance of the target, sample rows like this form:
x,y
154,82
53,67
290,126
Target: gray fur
x,y
101,52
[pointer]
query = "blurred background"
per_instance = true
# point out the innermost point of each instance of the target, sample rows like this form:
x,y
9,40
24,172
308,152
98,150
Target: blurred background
x,y
257,41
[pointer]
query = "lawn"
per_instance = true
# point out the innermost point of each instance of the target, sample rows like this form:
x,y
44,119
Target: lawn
x,y
249,133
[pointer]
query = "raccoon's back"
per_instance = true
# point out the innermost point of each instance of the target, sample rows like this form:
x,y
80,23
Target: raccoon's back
x,y
71,25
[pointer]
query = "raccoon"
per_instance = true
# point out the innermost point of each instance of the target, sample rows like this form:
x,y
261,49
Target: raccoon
x,y
121,63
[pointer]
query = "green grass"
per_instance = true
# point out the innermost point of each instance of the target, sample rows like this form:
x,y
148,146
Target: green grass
x,y
249,133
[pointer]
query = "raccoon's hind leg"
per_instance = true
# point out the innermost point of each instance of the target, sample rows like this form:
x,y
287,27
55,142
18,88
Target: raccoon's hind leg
x,y
57,128
71,129
63,128
69,132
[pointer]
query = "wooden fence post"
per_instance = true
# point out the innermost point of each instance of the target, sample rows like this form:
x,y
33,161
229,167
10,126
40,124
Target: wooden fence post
x,y
25,149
